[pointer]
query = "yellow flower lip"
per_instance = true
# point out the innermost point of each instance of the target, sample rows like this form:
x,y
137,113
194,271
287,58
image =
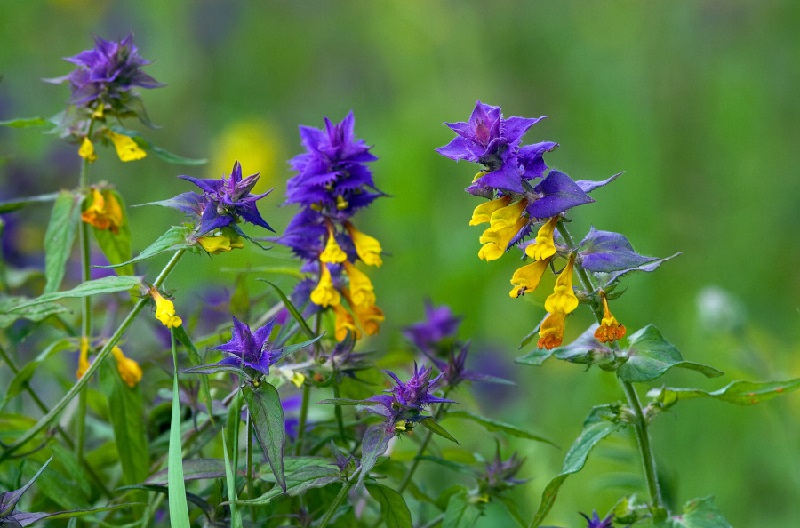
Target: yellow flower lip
x,y
544,246
104,212
86,151
129,370
368,248
526,279
332,253
165,310
325,294
127,148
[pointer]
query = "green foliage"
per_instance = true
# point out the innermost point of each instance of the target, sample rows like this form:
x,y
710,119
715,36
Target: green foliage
x,y
9,206
85,289
60,236
393,508
739,392
497,426
461,512
266,411
178,507
171,241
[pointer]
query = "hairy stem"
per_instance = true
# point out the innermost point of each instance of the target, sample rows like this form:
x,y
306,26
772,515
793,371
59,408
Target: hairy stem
x,y
301,427
337,501
86,313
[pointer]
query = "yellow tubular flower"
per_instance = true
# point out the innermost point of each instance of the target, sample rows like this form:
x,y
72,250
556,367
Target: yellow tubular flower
x,y
220,243
332,253
325,294
483,213
563,299
104,212
87,150
526,279
544,245
370,318
128,369
551,332
343,323
361,291
495,241
165,310
508,216
368,248
127,148
609,329
83,359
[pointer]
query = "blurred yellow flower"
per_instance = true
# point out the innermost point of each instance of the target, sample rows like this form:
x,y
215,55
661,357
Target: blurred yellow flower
x,y
129,370
127,148
254,143
87,150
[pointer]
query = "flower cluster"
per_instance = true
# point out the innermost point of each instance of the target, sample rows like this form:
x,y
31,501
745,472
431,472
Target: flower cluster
x,y
332,183
521,198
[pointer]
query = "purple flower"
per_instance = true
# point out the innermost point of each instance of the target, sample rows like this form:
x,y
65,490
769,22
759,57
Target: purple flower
x,y
454,370
224,201
596,522
106,74
250,349
500,475
440,324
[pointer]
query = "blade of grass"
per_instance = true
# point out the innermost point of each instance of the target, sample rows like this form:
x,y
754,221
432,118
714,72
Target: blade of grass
x,y
178,506
236,516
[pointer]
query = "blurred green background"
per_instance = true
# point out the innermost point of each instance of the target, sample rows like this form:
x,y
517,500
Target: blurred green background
x,y
696,102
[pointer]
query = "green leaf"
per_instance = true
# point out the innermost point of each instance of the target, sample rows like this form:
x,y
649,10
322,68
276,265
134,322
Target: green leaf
x,y
266,412
25,122
585,350
21,378
26,519
292,310
431,425
393,508
126,413
10,498
460,512
195,469
236,516
740,392
173,240
164,154
178,506
698,513
373,445
86,289
497,426
9,206
196,360
117,247
13,309
597,426
60,236
650,356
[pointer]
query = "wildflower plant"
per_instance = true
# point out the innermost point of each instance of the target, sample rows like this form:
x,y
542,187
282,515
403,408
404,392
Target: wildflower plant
x,y
285,412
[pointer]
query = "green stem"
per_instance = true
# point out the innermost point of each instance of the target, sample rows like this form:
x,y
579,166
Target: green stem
x,y
640,423
337,501
86,315
48,418
301,427
423,446
337,411
251,492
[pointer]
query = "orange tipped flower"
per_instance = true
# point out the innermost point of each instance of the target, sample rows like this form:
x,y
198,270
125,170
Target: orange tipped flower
x,y
560,303
104,212
551,332
609,329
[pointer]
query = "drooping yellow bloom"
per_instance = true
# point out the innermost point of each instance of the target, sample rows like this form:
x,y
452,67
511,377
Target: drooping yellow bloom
x,y
544,246
551,332
332,253
343,323
563,299
609,329
165,310
526,279
87,150
104,211
507,216
220,243
83,359
128,369
483,213
361,290
495,242
369,318
368,248
325,294
127,148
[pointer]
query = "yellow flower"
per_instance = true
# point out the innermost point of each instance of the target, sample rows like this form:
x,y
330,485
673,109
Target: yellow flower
x,y
609,329
220,243
325,294
332,253
507,216
526,279
87,150
368,248
483,213
544,246
343,323
369,318
563,299
128,369
495,241
83,359
127,148
104,212
551,332
165,310
361,290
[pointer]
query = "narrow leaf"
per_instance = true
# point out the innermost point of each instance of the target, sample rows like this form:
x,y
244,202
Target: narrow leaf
x,y
266,411
497,426
26,519
25,122
195,469
431,425
13,309
394,510
292,310
173,240
86,289
178,506
11,498
236,516
15,204
60,236
740,392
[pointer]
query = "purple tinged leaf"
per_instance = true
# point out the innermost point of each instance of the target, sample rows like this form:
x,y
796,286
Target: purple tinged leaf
x,y
266,411
589,185
558,193
373,445
649,267
9,499
609,252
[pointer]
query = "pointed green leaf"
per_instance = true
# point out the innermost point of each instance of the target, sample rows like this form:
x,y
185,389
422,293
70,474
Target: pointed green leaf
x,y
178,506
292,310
25,122
117,246
14,308
373,445
497,426
740,392
173,240
431,425
698,513
18,203
393,508
460,512
266,411
10,499
650,356
86,289
21,378
60,236
536,357
597,426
